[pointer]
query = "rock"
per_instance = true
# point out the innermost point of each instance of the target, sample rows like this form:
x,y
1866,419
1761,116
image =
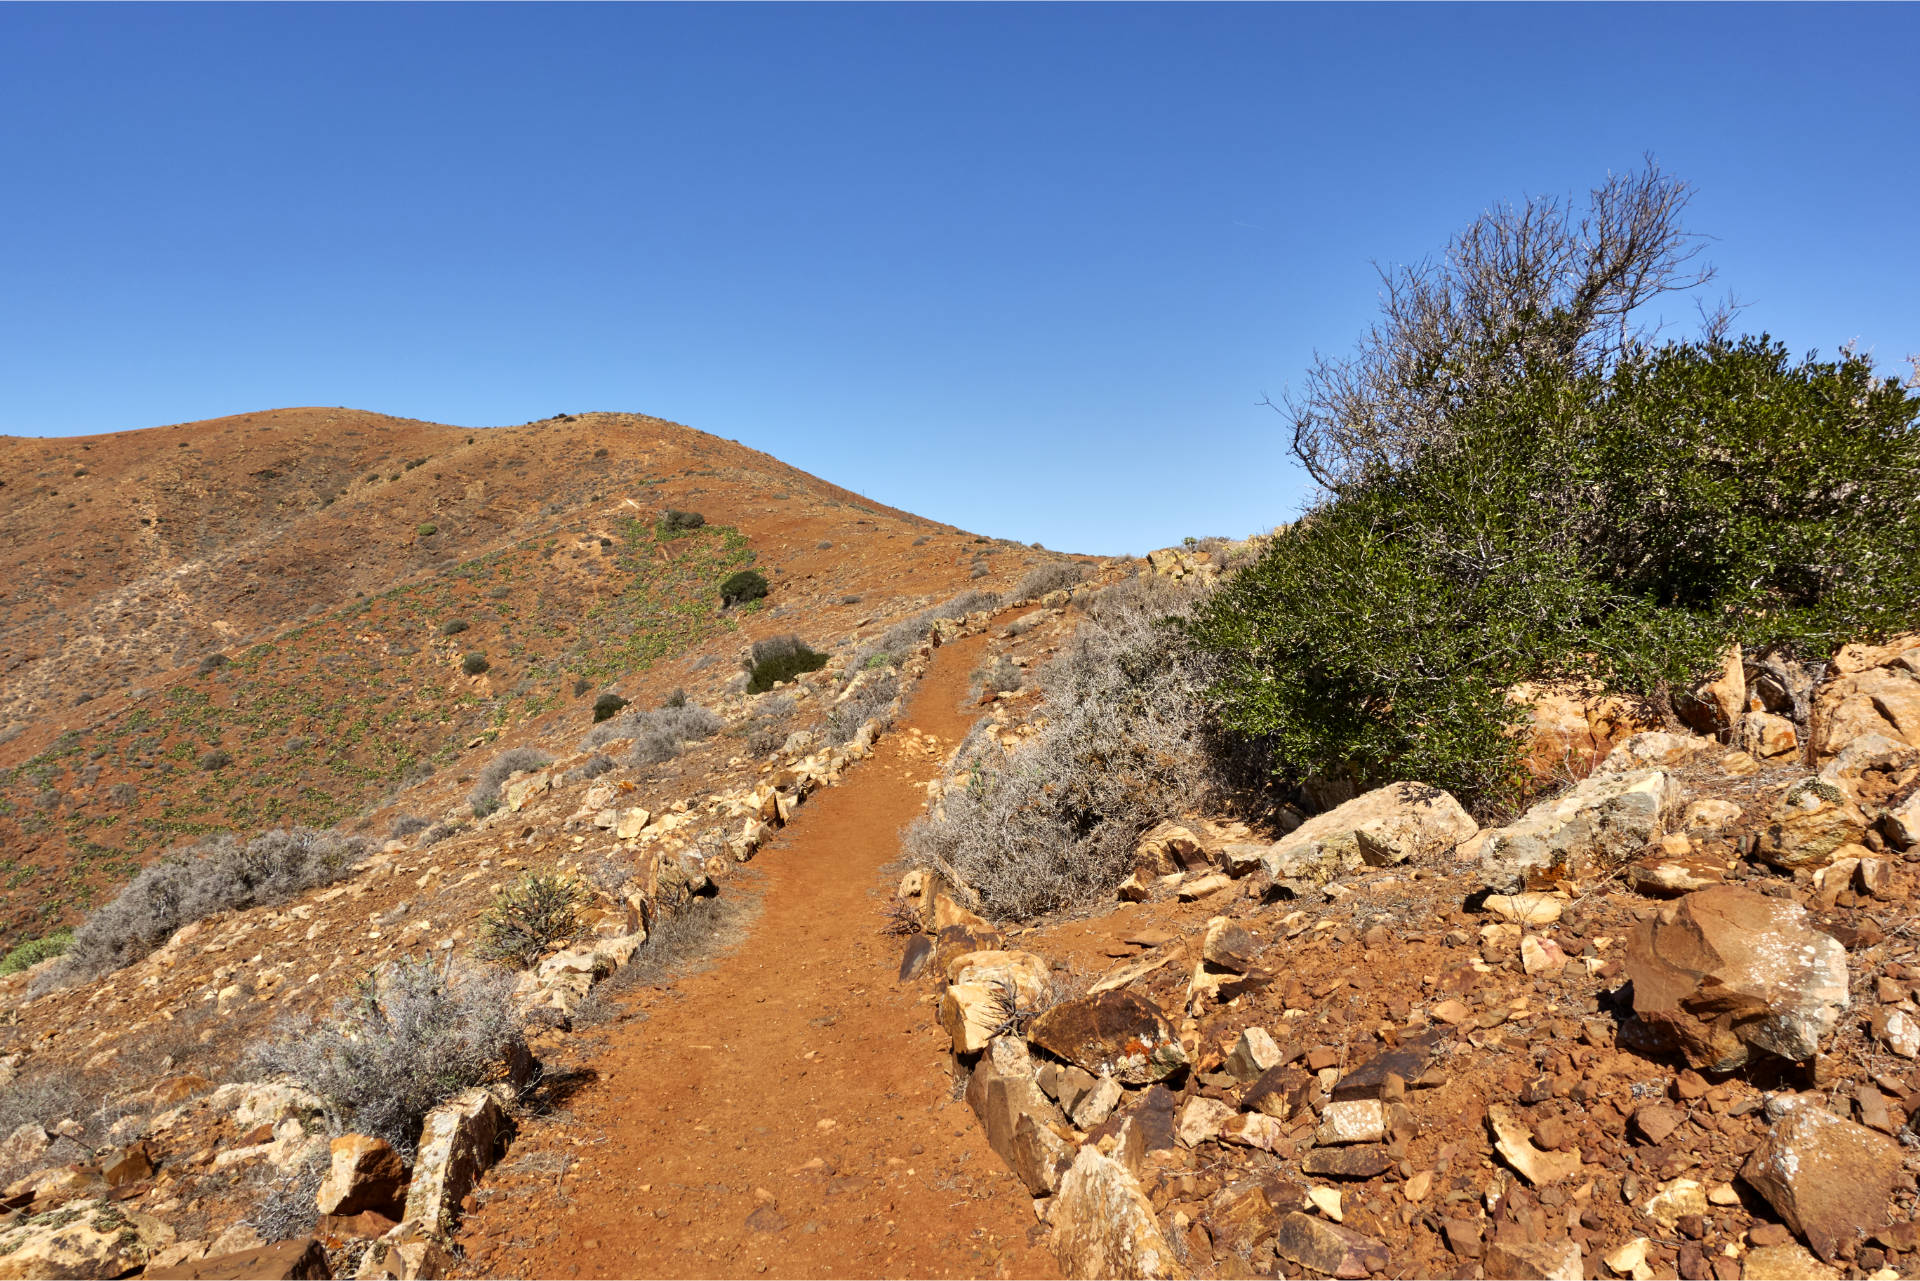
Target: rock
x,y
302,1259
1252,1130
81,1239
1654,749
408,1260
1709,814
973,1014
1118,1034
1595,825
1097,1104
1015,1116
1573,724
1328,1247
1882,700
1238,1216
1386,826
1653,1122
1241,858
1828,1179
1252,1054
1327,1201
1345,1163
1725,971
1104,1226
1201,887
1630,1260
364,1174
1768,736
1228,946
631,823
1522,1260
1525,909
1671,875
1515,1144
523,789
363,1226
1010,1055
127,1165
1902,822
914,960
1790,1262
24,1146
1675,1200
1023,971
1137,888
1541,955
457,1145
1897,1030
1281,1093
1715,705
1201,1120
1352,1121
268,1103
1168,848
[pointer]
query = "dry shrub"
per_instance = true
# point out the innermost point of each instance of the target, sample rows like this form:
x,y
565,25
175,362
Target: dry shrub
x,y
529,917
485,796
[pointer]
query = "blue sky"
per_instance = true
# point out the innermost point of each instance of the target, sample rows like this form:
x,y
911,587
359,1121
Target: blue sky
x,y
1028,269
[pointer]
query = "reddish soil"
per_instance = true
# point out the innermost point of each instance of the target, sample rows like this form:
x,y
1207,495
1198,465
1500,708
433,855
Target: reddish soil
x,y
783,1111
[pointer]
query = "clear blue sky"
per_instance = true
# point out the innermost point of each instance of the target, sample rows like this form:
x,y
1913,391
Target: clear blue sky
x,y
1028,269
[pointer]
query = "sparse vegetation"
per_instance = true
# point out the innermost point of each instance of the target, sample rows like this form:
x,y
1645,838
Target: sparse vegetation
x,y
417,1034
453,627
781,658
217,759
606,706
741,588
217,875
1055,576
872,701
211,663
474,663
897,642
427,530
34,951
530,917
658,735
674,520
405,825
486,787
1053,823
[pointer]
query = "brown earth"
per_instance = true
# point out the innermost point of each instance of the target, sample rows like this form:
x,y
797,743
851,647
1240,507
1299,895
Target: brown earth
x,y
783,1112
324,553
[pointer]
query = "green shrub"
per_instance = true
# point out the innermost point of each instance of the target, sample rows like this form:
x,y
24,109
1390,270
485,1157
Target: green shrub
x,y
607,705
781,658
427,530
216,760
453,627
747,585
675,520
530,917
474,663
34,951
1623,526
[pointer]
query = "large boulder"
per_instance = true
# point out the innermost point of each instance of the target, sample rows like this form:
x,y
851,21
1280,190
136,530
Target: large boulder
x,y
301,1259
1119,1034
1572,724
1724,971
1104,1226
81,1239
1654,749
1596,825
1388,825
1715,705
1828,1179
1018,1120
457,1144
364,1173
1876,691
1812,820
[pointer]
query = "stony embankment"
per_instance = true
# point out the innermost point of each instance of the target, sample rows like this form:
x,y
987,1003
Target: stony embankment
x,y
1661,1024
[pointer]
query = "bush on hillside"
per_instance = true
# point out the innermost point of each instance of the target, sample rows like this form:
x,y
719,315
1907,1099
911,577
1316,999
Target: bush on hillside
x,y
607,706
485,796
474,663
405,825
1624,527
1053,823
529,917
34,951
893,646
660,734
743,587
1055,576
217,875
872,701
674,520
416,1035
781,658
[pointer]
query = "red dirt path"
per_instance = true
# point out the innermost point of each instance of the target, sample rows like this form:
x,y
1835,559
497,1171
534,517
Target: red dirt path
x,y
783,1112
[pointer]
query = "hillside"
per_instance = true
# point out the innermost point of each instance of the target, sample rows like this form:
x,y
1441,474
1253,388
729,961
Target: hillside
x,y
258,620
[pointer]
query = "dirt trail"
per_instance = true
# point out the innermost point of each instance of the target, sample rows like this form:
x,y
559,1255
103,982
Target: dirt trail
x,y
782,1112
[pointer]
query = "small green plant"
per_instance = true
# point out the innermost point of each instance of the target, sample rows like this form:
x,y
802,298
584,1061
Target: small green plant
x,y
530,917
427,530
607,706
474,663
747,585
781,658
34,951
